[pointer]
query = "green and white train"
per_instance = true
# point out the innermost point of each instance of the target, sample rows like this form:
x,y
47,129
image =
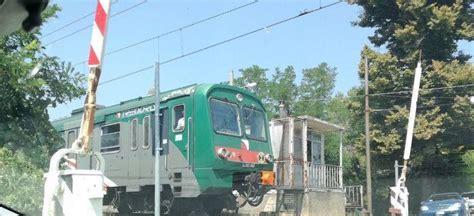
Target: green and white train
x,y
216,150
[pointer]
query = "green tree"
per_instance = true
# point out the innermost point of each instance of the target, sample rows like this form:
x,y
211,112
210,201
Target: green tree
x,y
443,117
315,91
30,83
283,89
468,158
443,128
433,26
22,183
27,92
258,76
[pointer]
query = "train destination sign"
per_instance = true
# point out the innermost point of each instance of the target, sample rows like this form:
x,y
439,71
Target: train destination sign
x,y
136,111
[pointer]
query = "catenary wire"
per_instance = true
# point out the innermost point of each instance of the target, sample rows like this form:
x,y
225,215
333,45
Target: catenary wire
x,y
306,12
72,22
389,94
86,27
173,31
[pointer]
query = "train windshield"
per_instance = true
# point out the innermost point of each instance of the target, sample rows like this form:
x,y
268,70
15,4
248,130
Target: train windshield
x,y
225,117
254,122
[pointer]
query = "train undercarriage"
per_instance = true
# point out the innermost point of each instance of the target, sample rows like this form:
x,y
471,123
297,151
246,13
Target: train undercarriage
x,y
247,189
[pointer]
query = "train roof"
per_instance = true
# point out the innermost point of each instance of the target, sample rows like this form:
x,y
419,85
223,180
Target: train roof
x,y
101,111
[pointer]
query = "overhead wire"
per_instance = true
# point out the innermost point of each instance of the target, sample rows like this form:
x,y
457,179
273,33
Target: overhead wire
x,y
429,89
179,29
389,94
88,26
71,23
418,107
301,14
67,25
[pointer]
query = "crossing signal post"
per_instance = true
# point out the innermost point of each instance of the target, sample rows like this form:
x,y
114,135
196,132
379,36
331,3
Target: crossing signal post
x,y
399,193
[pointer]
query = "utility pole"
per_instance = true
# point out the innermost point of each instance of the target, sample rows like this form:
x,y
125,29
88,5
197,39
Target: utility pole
x,y
157,139
367,140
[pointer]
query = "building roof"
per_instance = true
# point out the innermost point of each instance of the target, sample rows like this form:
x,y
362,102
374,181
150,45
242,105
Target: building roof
x,y
315,123
321,125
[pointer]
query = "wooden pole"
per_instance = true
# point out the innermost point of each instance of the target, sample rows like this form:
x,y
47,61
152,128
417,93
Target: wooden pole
x,y
367,140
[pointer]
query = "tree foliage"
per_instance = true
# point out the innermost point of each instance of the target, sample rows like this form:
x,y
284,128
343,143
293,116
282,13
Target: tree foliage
x,y
21,183
434,26
30,83
283,89
443,117
313,96
309,97
443,125
27,92
315,91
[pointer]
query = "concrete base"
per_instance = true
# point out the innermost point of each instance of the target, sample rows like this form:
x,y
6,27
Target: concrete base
x,y
314,203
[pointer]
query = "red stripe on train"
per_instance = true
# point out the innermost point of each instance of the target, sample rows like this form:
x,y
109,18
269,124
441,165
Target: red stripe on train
x,y
239,155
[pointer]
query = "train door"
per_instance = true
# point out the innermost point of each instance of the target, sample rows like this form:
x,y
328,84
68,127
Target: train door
x,y
146,151
181,112
132,148
148,143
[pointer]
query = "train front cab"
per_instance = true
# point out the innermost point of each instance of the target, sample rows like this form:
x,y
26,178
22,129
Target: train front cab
x,y
232,142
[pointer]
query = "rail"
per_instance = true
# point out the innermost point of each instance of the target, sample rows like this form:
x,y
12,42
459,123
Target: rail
x,y
323,176
354,196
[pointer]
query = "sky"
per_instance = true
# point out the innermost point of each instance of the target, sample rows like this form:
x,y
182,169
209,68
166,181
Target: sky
x,y
326,35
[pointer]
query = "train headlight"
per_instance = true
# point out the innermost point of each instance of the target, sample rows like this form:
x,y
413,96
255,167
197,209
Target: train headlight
x,y
269,158
424,208
223,153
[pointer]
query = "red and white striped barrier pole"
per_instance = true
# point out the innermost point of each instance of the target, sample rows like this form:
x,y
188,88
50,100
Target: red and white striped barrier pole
x,y
96,53
99,31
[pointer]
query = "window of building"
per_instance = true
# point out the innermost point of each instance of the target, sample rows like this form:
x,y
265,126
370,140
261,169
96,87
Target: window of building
x,y
254,121
109,139
225,117
315,140
71,137
133,134
146,132
179,121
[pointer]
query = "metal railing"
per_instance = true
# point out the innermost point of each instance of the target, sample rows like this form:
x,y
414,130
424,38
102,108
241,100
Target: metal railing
x,y
354,196
299,175
323,176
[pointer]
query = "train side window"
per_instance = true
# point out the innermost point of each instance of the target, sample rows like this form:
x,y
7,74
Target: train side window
x,y
133,134
71,137
179,121
146,132
110,137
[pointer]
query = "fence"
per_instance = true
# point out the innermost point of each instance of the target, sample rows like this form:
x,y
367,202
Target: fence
x,y
324,176
308,176
354,196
